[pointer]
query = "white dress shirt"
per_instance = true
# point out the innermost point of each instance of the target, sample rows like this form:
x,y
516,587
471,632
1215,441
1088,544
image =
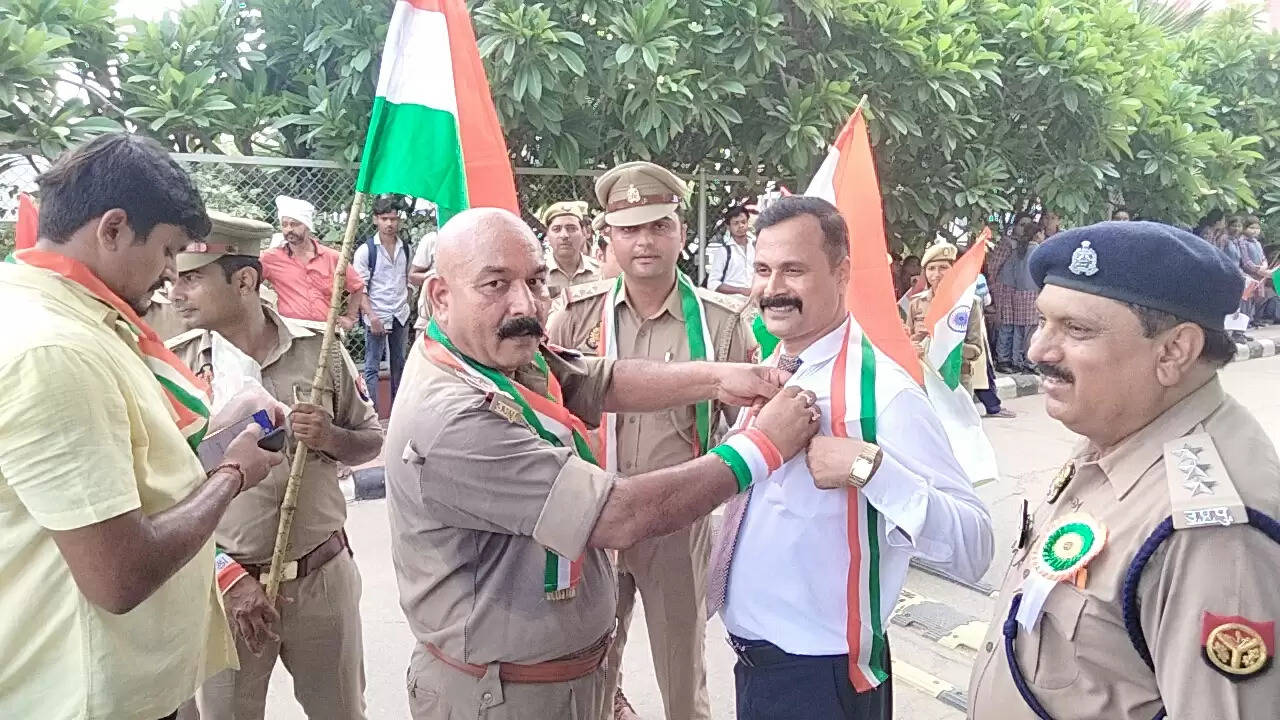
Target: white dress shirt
x,y
729,263
389,289
787,583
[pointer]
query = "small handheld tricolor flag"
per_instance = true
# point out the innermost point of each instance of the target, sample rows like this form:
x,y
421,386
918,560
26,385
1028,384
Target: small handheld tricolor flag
x,y
28,222
949,315
434,132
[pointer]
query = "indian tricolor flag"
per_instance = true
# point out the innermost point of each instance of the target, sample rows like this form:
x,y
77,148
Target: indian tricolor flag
x,y
434,133
950,312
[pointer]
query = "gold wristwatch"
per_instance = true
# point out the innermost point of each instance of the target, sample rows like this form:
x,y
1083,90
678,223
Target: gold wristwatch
x,y
865,465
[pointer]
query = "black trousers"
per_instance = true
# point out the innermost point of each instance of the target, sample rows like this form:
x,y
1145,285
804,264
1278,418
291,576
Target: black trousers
x,y
774,685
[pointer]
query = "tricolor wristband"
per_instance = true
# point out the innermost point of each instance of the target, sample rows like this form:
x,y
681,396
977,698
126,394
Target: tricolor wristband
x,y
750,454
227,571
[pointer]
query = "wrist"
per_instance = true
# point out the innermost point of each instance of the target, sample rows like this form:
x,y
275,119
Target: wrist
x,y
233,472
227,571
750,455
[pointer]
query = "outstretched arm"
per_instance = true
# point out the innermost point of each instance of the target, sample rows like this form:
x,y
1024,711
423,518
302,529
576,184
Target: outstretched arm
x,y
645,386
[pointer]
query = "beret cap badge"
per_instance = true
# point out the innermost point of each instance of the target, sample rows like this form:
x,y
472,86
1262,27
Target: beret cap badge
x,y
1084,261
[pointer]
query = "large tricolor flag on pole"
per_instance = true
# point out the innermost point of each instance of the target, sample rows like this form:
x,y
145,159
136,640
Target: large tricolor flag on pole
x,y
434,132
847,179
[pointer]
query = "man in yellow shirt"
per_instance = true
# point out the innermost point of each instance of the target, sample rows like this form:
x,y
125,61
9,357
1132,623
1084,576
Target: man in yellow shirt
x,y
108,607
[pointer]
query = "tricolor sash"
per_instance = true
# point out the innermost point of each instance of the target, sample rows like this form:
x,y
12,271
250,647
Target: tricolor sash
x,y
701,347
546,415
188,395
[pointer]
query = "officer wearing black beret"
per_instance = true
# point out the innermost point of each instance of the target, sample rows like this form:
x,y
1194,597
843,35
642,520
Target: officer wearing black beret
x,y
1143,585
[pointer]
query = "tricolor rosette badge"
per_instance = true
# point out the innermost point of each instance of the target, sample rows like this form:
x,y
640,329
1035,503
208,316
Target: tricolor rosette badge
x,y
1069,546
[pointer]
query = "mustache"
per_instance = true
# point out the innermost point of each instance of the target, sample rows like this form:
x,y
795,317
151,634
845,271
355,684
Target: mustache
x,y
1055,372
781,301
527,326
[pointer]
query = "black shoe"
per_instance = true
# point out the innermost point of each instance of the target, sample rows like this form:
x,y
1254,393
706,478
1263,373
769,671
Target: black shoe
x,y
1005,369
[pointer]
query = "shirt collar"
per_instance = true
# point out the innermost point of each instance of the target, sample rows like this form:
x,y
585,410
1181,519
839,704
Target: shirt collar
x,y
672,304
68,293
825,347
1124,465
286,333
315,244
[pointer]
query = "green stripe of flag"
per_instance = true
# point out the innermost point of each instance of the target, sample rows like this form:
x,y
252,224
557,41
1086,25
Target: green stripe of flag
x,y
698,351
867,417
952,367
414,150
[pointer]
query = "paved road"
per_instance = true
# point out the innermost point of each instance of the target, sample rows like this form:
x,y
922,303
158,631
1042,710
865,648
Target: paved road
x,y
935,629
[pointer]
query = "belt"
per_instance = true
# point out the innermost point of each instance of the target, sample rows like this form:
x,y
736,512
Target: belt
x,y
570,667
307,564
758,653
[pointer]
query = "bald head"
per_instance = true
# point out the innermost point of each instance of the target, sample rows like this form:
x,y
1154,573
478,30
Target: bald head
x,y
476,237
490,287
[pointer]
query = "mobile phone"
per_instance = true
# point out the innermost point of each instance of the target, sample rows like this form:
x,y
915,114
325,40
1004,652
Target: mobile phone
x,y
214,446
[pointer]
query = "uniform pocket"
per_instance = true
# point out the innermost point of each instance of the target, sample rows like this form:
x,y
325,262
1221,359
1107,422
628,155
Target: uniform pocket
x,y
1056,666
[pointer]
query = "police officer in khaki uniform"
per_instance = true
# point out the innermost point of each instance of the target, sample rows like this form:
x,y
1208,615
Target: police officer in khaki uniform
x,y
567,260
1144,586
316,629
499,514
650,314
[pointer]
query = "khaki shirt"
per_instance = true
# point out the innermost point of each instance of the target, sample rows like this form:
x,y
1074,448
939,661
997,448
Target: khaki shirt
x,y
475,499
1079,661
588,271
248,529
651,441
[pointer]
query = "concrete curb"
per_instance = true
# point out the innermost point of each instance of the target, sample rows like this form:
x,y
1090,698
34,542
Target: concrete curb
x,y
1016,386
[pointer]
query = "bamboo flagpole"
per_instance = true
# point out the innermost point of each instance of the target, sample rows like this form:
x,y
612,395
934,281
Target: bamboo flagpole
x,y
290,502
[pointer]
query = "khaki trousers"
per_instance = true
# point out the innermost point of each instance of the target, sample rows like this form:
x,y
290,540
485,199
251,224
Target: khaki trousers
x,y
439,692
670,573
320,645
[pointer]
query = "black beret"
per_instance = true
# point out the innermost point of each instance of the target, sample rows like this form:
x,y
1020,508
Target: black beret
x,y
1145,263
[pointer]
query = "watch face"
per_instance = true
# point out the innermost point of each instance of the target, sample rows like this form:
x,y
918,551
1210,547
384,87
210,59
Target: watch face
x,y
862,469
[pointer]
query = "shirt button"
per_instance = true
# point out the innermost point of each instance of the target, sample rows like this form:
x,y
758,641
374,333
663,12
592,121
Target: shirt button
x,y
990,646
631,421
1025,573
487,698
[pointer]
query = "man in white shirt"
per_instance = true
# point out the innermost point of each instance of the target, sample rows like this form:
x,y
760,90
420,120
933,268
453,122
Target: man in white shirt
x,y
730,258
811,561
382,262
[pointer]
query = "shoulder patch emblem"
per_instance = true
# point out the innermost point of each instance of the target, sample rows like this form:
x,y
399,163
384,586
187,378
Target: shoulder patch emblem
x,y
593,338
1236,647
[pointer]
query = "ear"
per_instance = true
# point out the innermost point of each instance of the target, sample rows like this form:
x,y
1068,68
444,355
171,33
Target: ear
x,y
1178,353
438,294
244,281
113,230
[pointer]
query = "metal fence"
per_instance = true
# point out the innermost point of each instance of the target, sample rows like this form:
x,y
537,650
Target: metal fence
x,y
248,186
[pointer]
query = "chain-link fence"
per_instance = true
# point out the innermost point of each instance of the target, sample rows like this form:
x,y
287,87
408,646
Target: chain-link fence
x,y
248,186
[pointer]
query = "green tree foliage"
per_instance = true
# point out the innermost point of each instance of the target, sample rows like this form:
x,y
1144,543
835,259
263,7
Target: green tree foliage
x,y
977,108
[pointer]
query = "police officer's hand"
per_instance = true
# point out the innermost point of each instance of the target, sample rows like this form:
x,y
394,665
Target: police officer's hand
x,y
744,385
376,327
254,462
790,419
251,614
829,460
313,426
